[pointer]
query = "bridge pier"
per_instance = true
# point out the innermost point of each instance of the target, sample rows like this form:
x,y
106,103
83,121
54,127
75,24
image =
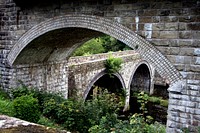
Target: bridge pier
x,y
182,108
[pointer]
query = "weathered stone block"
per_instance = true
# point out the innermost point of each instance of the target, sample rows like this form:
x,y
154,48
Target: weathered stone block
x,y
165,19
182,26
183,59
127,14
187,18
186,51
180,67
171,26
155,34
168,34
150,12
197,60
156,19
145,19
176,108
180,12
123,7
197,51
186,43
188,75
156,5
195,68
196,34
194,26
160,42
185,34
157,26
196,43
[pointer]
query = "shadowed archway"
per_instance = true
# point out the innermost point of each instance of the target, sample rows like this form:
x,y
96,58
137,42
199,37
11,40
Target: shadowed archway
x,y
141,80
112,84
102,80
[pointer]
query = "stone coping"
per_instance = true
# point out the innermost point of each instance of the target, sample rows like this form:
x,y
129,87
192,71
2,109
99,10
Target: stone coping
x,y
15,125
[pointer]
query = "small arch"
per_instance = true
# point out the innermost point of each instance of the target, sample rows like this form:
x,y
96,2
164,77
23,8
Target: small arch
x,y
142,77
101,80
141,80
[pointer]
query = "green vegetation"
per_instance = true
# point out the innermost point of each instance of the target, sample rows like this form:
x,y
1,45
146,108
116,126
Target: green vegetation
x,y
98,115
27,108
156,100
6,105
101,44
112,65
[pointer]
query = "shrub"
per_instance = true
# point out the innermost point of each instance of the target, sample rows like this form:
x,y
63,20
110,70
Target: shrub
x,y
3,94
112,65
42,96
20,91
79,116
136,124
6,107
26,108
69,113
104,103
106,124
50,108
73,114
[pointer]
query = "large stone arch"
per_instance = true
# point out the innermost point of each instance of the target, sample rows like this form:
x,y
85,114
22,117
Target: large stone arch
x,y
100,24
97,77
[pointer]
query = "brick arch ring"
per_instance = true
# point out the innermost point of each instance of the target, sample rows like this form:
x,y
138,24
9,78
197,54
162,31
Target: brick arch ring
x,y
106,26
97,77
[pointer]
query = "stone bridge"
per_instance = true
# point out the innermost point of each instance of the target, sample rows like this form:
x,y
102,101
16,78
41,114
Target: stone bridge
x,y
37,38
85,71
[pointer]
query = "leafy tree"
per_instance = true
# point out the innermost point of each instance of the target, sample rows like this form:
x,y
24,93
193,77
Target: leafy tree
x,y
93,46
112,44
101,44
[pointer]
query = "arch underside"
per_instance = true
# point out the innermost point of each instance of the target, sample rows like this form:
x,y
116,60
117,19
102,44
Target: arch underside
x,y
54,45
112,84
81,26
141,79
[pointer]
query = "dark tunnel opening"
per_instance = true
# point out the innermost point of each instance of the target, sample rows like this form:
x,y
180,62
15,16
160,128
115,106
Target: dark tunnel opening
x,y
112,84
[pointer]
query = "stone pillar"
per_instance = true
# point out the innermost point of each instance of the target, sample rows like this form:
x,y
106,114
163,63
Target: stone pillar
x,y
183,108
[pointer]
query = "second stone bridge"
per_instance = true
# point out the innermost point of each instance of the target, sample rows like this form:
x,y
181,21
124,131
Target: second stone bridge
x,y
85,72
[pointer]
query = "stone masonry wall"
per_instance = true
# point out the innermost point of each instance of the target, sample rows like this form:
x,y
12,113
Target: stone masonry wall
x,y
51,77
172,26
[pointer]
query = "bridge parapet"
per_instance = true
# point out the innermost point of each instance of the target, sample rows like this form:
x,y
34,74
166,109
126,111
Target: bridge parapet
x,y
102,56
